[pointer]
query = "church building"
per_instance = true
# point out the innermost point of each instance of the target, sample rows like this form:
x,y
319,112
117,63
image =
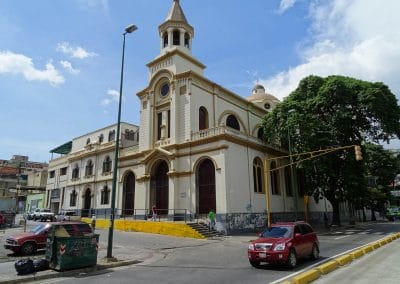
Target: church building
x,y
200,148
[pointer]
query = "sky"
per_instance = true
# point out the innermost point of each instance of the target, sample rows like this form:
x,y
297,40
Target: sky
x,y
60,61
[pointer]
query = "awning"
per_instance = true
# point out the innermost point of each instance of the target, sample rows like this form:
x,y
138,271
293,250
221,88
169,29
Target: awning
x,y
63,149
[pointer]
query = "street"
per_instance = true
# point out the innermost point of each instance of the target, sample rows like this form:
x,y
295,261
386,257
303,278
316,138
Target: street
x,y
183,260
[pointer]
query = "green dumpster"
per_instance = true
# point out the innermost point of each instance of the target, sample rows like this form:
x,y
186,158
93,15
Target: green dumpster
x,y
71,252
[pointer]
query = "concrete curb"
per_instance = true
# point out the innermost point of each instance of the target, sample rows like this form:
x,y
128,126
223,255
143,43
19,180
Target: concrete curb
x,y
76,272
332,264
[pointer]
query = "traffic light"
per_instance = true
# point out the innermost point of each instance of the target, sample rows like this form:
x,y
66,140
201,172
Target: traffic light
x,y
358,153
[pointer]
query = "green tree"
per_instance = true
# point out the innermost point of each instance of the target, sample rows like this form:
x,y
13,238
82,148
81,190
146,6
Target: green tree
x,y
331,112
381,167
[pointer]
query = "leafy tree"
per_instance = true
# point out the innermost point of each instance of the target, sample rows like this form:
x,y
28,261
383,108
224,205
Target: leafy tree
x,y
381,167
331,112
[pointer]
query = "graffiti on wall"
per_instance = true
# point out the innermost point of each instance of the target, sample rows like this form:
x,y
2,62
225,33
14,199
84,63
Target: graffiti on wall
x,y
245,221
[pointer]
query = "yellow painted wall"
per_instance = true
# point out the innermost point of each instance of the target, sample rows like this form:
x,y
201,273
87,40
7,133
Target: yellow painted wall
x,y
163,228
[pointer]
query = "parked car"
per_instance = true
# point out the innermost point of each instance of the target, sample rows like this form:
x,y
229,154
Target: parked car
x,y
393,213
284,243
29,242
43,214
67,216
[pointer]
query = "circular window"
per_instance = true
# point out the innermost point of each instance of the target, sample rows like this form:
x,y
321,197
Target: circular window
x,y
164,89
267,106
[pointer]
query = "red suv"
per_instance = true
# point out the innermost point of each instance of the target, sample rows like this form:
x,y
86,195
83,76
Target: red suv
x,y
284,243
29,242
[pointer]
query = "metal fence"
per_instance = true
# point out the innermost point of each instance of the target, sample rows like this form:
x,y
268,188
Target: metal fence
x,y
140,214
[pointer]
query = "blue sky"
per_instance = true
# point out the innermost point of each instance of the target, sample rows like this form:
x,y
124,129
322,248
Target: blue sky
x,y
60,60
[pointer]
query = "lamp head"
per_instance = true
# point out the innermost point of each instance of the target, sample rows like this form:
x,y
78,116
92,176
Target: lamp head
x,y
130,29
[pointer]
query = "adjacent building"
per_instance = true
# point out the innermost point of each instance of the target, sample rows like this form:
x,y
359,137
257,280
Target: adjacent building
x,y
20,177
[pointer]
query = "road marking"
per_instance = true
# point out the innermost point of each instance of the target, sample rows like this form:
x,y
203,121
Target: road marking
x,y
341,237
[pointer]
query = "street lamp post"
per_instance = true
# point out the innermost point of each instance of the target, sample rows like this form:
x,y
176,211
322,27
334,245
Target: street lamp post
x,y
294,188
129,29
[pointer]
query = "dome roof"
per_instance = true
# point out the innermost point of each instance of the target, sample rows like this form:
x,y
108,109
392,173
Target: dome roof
x,y
261,98
258,87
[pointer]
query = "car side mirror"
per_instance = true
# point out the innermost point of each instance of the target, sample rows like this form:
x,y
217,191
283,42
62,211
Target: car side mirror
x,y
297,235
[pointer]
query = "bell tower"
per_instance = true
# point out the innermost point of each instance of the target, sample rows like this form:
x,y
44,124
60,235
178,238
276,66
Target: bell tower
x,y
175,32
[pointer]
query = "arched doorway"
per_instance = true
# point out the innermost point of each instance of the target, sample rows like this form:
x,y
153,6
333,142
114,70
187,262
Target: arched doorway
x,y
159,187
128,198
87,200
206,187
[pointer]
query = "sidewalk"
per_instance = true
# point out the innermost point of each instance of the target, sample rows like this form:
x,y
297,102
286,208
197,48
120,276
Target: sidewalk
x,y
123,256
380,266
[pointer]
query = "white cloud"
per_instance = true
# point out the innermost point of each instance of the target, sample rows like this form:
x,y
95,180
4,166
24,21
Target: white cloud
x,y
113,96
93,4
68,66
358,39
15,63
74,51
285,5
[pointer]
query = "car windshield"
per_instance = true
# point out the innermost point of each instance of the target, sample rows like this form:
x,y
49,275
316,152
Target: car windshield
x,y
38,229
277,232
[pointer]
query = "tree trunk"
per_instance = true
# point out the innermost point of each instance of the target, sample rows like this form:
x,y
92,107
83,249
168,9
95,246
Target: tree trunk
x,y
373,217
364,216
335,213
352,218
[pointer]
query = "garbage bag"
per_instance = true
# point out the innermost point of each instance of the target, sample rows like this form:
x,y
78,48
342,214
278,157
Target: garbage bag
x,y
41,264
24,266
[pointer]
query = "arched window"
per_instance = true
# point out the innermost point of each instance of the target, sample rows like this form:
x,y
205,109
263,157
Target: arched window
x,y
105,195
107,165
165,39
111,135
203,118
89,168
260,133
101,138
176,35
258,176
75,172
232,122
72,198
88,141
274,179
187,40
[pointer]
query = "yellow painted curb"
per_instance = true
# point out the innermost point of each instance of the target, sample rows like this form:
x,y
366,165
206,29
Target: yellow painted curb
x,y
394,237
376,245
328,267
388,239
306,277
356,254
367,249
383,242
345,259
286,282
162,228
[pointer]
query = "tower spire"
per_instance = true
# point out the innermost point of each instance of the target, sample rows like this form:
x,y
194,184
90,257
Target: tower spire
x,y
175,32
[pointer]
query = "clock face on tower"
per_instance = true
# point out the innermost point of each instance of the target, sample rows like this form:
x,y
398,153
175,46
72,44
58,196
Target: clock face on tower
x,y
164,90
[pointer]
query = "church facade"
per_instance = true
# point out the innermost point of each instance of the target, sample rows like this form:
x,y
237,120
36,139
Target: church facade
x,y
199,148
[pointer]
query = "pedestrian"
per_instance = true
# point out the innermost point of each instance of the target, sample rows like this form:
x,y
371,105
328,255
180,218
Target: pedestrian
x,y
93,224
211,216
154,213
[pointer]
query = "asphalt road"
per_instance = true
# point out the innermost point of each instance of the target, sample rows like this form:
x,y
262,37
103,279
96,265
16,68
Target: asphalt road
x,y
196,261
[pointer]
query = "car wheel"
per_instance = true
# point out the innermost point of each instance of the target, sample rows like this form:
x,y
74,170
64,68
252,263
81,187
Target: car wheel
x,y
28,248
315,252
255,264
292,259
